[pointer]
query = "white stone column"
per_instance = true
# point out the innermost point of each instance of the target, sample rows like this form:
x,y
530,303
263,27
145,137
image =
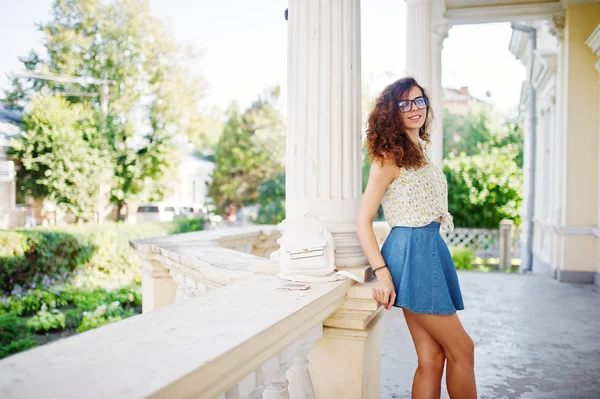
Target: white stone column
x,y
439,34
424,42
418,41
323,149
557,26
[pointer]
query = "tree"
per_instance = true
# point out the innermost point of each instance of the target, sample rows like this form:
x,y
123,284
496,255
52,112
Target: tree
x,y
272,200
250,150
155,98
366,169
480,131
511,140
483,189
59,156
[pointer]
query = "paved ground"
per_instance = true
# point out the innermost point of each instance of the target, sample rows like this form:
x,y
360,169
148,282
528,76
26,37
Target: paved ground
x,y
534,338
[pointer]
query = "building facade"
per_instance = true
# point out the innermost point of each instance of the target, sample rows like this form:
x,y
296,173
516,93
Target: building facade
x,y
460,101
562,162
10,122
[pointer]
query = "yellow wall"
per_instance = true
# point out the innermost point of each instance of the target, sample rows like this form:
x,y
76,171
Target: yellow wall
x,y
582,124
580,253
582,120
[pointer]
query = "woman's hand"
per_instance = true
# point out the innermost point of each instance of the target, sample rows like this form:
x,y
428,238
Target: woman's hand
x,y
384,292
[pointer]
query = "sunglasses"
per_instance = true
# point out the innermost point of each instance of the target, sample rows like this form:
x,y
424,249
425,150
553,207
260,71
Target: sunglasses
x,y
420,102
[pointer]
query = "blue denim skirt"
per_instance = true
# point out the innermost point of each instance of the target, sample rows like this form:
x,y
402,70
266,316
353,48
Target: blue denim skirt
x,y
422,270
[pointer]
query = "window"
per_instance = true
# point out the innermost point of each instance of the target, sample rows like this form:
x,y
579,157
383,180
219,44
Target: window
x,y
148,209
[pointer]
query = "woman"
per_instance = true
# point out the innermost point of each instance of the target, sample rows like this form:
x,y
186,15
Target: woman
x,y
414,268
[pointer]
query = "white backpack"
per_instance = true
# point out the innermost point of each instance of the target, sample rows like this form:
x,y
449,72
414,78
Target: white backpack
x,y
306,251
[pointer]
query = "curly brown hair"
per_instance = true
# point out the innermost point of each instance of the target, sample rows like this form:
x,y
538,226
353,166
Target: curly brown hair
x,y
386,134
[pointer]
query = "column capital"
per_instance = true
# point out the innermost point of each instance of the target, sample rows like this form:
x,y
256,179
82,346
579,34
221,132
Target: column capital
x,y
440,30
593,42
557,25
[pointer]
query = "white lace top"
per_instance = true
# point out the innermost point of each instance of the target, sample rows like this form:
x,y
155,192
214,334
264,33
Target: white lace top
x,y
417,197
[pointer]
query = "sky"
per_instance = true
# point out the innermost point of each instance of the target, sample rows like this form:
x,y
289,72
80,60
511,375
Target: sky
x,y
244,46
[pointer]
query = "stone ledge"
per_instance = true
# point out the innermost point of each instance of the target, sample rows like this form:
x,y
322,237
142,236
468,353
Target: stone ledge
x,y
197,348
351,319
183,243
210,257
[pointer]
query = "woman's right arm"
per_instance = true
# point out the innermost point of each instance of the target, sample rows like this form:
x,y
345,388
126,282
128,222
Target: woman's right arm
x,y
380,177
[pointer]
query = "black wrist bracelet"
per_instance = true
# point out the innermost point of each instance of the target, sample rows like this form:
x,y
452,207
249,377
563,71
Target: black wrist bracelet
x,y
377,268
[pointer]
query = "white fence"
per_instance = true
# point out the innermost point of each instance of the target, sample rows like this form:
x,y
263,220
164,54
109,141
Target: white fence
x,y
516,243
484,242
502,243
488,243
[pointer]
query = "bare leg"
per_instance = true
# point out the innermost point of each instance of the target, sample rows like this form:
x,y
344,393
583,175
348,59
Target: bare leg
x,y
458,348
428,376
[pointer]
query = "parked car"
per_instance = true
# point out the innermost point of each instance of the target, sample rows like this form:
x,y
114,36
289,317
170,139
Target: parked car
x,y
248,213
193,210
157,212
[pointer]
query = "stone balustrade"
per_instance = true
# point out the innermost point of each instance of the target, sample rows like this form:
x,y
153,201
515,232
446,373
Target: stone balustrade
x,y
181,266
238,341
248,339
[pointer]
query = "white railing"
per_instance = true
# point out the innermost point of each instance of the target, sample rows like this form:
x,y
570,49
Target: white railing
x,y
238,341
181,266
247,339
484,242
502,243
516,243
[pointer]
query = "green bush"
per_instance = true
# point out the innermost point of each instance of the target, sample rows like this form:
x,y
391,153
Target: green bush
x,y
463,257
45,320
484,189
85,300
13,244
180,226
33,300
11,327
89,300
84,255
40,257
127,296
73,318
102,315
13,335
82,310
13,305
114,263
17,346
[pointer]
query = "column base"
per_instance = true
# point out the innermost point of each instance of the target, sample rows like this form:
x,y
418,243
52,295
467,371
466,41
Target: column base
x,y
577,277
348,251
346,361
540,266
